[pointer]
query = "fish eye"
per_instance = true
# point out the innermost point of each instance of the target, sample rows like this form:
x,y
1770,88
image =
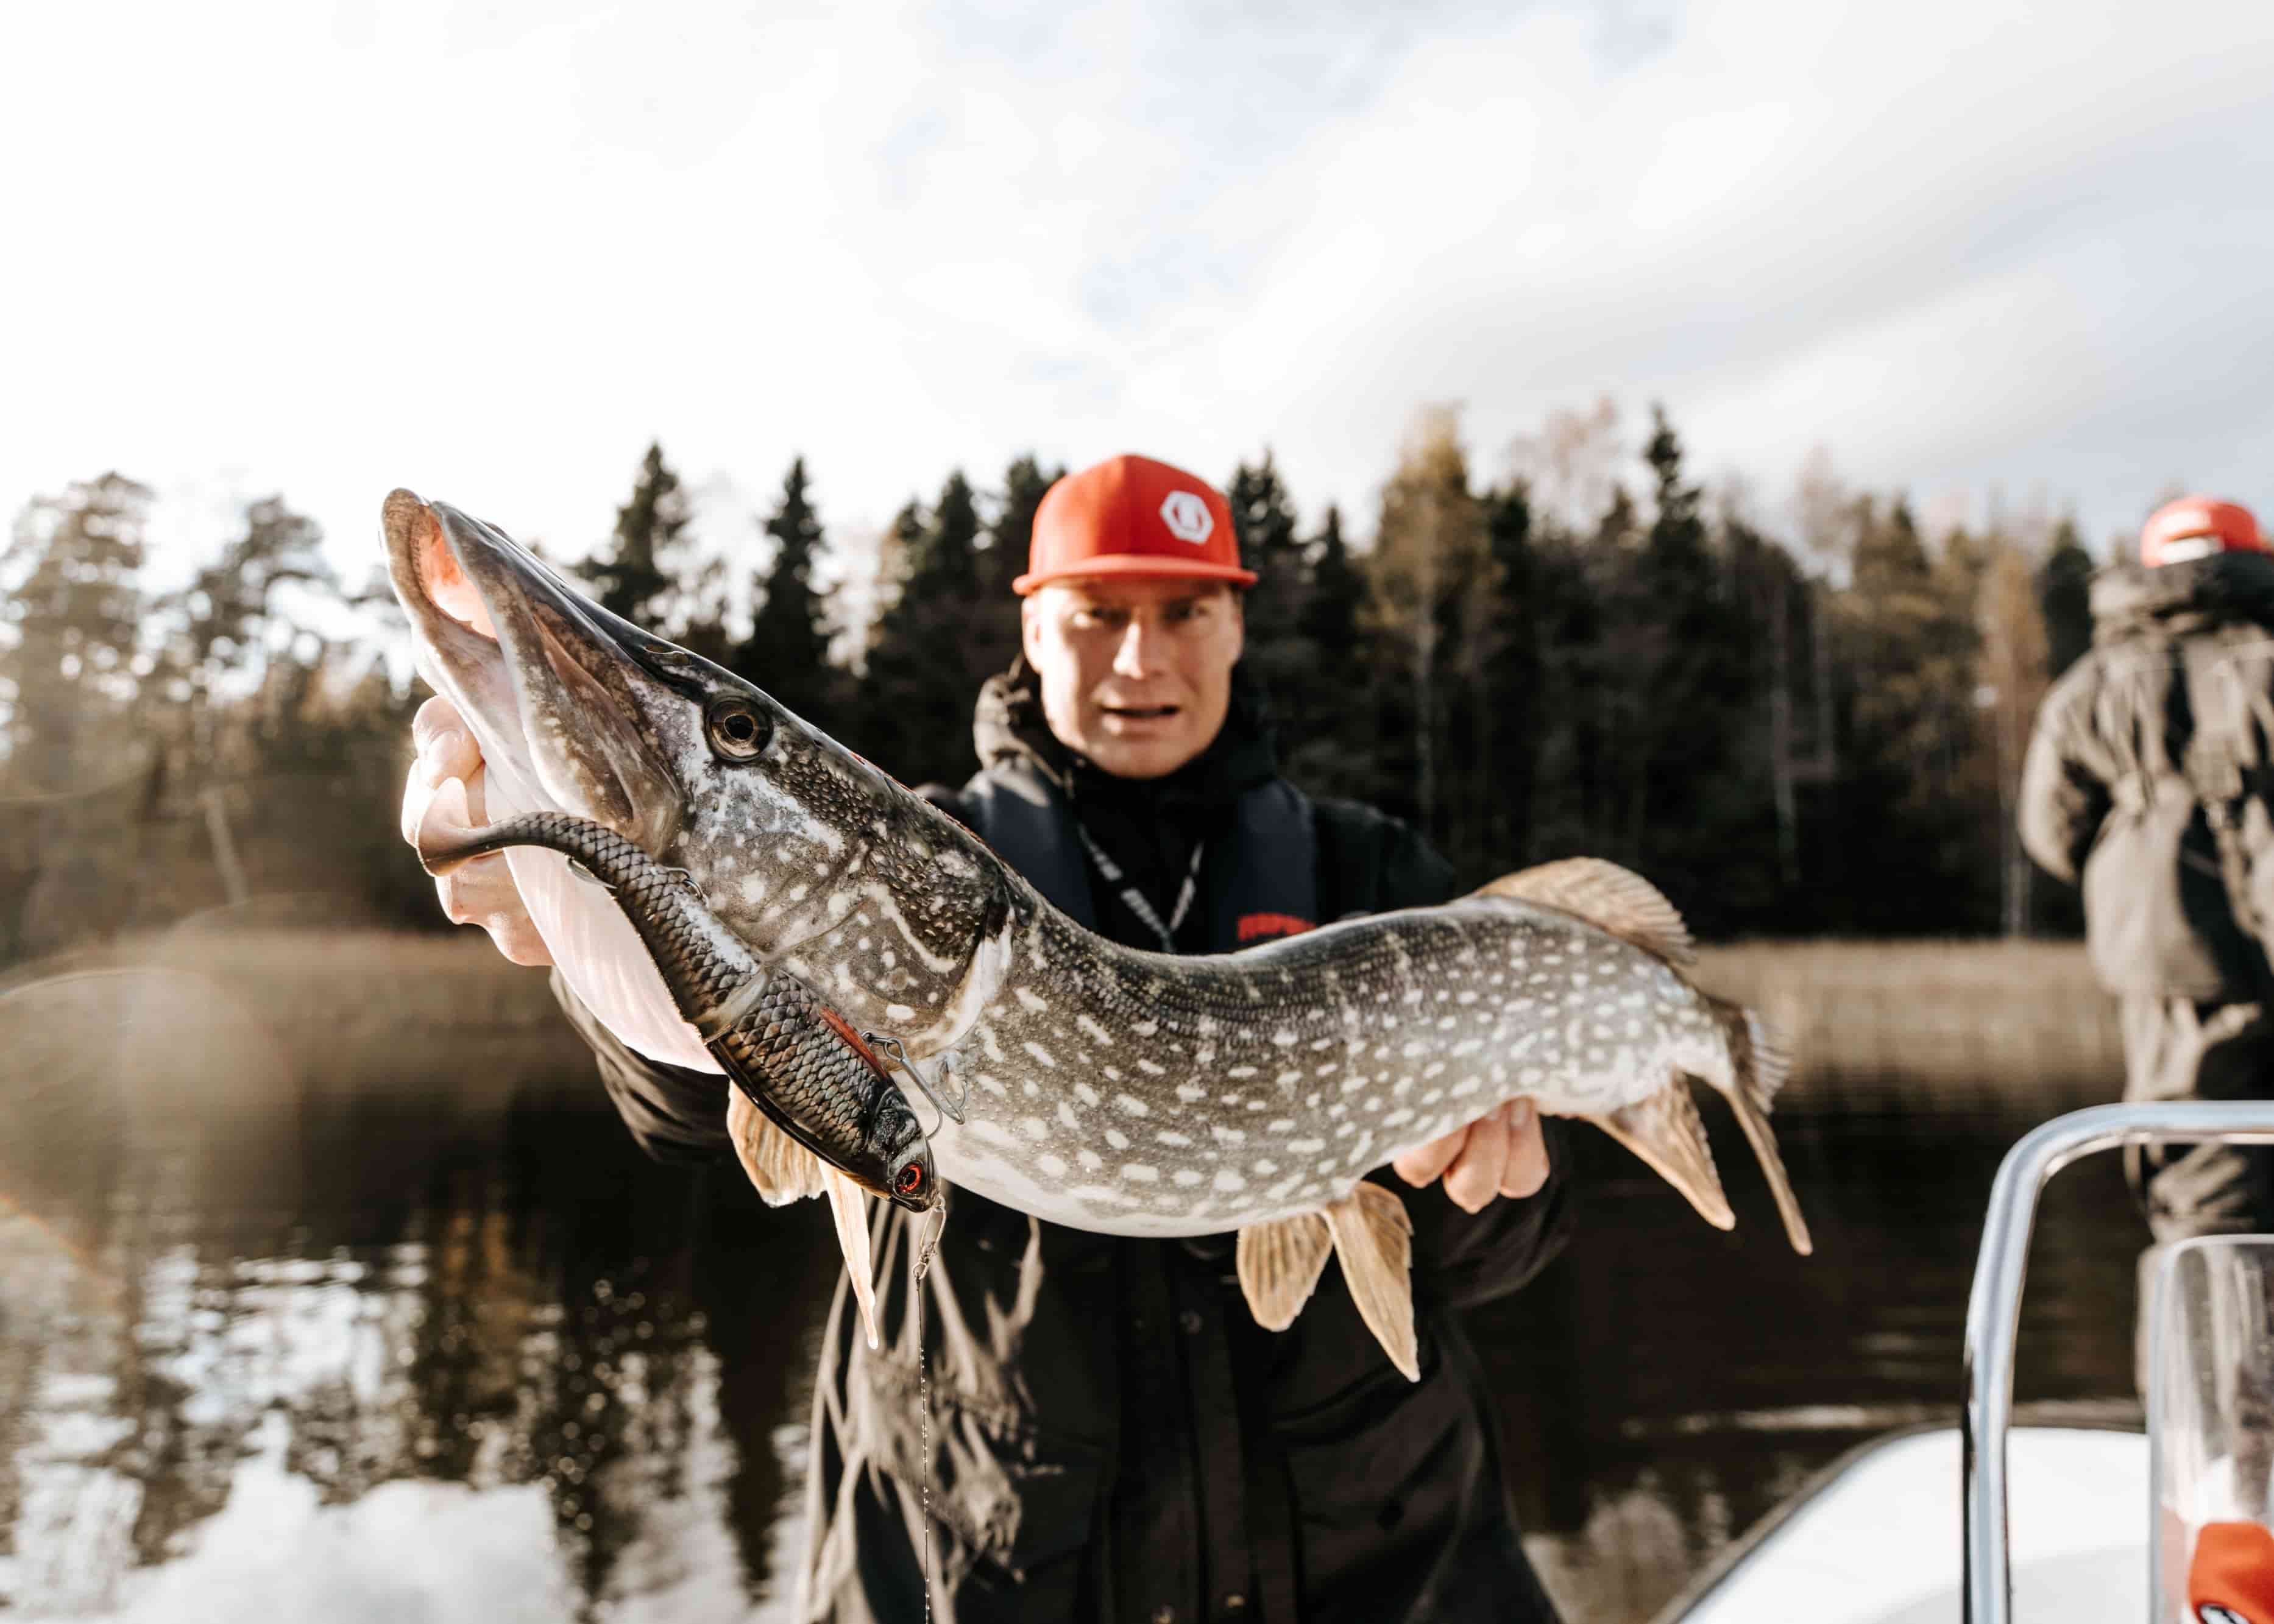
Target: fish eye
x,y
736,731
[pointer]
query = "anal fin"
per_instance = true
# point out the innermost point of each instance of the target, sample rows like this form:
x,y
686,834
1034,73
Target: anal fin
x,y
1758,1071
1373,1239
1665,1130
1280,1264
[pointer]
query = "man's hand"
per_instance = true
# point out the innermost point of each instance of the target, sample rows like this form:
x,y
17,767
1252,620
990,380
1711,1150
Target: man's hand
x,y
481,893
1502,1153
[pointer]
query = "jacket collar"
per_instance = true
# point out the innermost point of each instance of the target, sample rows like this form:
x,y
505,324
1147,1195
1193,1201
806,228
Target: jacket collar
x,y
2129,600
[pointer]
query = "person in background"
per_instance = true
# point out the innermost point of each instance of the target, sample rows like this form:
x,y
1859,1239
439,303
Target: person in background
x,y
1112,1437
2147,781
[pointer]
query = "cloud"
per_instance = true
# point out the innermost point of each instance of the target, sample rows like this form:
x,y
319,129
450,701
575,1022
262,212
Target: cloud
x,y
492,250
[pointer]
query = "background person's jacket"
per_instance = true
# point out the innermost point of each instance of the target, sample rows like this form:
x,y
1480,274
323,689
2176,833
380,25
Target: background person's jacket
x,y
1113,1437
2179,683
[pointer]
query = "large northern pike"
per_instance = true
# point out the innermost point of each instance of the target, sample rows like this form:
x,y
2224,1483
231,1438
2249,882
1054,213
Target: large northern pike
x,y
1110,1089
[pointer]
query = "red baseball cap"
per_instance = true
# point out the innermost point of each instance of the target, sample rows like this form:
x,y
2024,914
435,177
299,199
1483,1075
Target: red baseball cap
x,y
2230,1579
2195,527
1131,516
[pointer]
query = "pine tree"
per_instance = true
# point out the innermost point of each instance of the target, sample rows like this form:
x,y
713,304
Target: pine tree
x,y
922,674
787,650
2065,599
74,601
631,576
1431,572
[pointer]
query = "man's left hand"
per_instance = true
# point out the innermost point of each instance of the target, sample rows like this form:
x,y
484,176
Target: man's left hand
x,y
1502,1153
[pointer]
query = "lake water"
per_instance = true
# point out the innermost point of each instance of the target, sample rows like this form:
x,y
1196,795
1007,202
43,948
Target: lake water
x,y
286,1352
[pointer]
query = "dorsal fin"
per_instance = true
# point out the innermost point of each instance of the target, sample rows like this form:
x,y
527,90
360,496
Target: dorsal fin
x,y
1618,899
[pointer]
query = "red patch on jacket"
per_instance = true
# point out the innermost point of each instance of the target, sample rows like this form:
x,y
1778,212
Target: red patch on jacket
x,y
1263,926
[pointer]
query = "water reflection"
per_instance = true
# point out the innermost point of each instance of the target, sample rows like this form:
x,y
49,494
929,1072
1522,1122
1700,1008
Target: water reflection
x,y
264,1345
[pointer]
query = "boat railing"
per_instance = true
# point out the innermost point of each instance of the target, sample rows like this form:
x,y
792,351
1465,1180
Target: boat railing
x,y
1994,1307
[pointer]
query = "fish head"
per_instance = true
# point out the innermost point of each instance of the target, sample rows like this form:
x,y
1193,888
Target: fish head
x,y
802,849
900,1144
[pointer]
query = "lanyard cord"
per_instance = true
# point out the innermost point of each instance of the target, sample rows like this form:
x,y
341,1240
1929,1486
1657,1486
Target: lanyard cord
x,y
1134,899
926,1248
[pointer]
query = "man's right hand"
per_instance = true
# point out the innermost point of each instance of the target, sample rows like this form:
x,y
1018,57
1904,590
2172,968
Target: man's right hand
x,y
481,893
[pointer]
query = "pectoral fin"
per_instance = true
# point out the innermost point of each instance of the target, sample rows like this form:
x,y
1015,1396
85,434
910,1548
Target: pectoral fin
x,y
1280,1264
1374,1238
782,1169
850,1204
1665,1131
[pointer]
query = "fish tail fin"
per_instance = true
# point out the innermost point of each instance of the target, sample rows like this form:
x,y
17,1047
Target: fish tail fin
x,y
1665,1130
1373,1239
1758,1066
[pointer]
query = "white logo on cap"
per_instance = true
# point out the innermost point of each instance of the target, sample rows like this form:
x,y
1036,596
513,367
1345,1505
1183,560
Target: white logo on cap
x,y
1187,517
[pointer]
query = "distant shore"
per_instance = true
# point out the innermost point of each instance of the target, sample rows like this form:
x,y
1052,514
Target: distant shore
x,y
1871,1024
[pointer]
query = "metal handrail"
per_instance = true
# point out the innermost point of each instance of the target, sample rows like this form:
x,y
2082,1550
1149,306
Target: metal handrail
x,y
1994,1307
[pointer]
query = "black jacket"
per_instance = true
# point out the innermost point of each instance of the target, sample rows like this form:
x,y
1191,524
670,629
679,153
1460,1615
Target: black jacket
x,y
2112,793
1113,1437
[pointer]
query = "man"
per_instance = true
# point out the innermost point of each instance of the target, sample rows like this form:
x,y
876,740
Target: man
x,y
1111,1436
2142,773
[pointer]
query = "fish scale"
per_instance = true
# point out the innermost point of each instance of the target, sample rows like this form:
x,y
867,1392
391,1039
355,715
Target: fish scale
x,y
1141,1095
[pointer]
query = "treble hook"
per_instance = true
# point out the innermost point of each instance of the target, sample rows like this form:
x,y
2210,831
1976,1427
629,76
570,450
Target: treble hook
x,y
892,1049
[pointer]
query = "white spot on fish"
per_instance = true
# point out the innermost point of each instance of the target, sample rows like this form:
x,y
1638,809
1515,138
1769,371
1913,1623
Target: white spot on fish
x,y
1191,1093
1170,1136
1028,1002
898,1012
1185,1177
1147,1028
1039,1053
1311,1147
1116,1138
1241,1072
1090,1159
1096,1033
1132,1104
1034,1128
1084,1093
1228,1181
1067,1117
1228,1136
1138,1173
1051,1165
1151,1070
1283,1124
1284,1038
1263,1168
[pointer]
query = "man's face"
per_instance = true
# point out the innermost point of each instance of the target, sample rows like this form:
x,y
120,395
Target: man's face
x,y
1136,673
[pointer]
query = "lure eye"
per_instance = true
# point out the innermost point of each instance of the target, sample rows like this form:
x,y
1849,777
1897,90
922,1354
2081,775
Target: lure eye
x,y
736,731
911,1180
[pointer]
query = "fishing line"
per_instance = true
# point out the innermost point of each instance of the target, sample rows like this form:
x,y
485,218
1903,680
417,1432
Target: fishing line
x,y
923,1389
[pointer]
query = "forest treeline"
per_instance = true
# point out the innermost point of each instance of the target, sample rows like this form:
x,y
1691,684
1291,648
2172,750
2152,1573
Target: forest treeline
x,y
1800,727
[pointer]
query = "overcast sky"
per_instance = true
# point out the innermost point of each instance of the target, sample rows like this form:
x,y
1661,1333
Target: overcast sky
x,y
491,249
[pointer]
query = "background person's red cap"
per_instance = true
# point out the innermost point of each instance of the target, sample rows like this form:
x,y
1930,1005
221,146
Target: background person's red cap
x,y
2231,1580
1130,516
2195,527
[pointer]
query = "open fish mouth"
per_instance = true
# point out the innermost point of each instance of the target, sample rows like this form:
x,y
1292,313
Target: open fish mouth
x,y
545,678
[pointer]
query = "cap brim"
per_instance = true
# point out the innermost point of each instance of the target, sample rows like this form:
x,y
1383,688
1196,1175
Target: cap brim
x,y
1138,565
